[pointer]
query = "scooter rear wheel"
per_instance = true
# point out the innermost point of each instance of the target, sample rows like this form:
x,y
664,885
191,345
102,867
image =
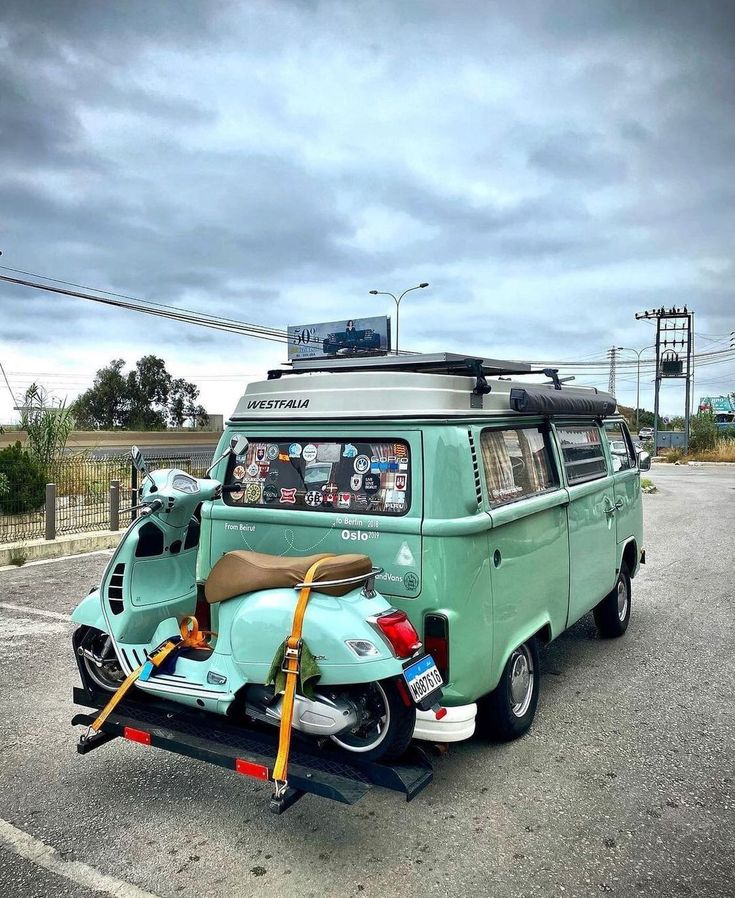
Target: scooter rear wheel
x,y
387,724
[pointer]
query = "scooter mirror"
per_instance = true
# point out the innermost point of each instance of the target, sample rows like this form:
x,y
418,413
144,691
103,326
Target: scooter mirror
x,y
138,460
239,444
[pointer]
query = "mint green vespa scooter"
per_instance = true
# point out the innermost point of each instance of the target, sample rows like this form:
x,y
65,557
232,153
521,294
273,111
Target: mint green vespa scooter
x,y
367,670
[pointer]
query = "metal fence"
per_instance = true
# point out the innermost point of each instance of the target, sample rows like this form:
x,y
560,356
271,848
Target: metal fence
x,y
80,494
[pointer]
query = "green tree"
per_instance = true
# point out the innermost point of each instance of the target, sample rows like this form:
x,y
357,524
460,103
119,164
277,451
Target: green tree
x,y
146,398
106,404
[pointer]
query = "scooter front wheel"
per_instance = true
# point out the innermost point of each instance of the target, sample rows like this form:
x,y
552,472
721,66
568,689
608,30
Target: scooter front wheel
x,y
387,721
99,665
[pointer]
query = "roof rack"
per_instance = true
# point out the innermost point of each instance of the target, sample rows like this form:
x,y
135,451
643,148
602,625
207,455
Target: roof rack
x,y
425,363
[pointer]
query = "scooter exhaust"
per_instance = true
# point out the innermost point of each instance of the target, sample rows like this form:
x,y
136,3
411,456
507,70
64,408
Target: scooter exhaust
x,y
322,717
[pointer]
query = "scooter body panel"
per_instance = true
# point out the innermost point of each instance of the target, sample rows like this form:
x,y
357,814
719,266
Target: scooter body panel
x,y
88,612
259,622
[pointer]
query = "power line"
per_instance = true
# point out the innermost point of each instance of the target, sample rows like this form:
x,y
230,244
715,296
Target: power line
x,y
7,384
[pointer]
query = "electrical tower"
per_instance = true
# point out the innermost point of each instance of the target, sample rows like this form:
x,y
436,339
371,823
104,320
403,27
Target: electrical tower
x,y
612,354
674,328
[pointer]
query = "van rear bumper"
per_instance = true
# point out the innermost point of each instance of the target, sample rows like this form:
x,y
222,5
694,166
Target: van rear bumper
x,y
456,725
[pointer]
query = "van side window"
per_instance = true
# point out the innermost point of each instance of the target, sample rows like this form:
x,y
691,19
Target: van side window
x,y
581,446
517,463
621,448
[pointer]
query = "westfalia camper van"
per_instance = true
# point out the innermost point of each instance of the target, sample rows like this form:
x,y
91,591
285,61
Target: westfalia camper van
x,y
497,510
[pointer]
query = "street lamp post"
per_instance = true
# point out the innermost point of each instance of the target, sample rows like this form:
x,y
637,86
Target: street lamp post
x,y
638,381
397,301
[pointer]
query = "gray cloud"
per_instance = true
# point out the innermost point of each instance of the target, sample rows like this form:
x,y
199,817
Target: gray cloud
x,y
273,162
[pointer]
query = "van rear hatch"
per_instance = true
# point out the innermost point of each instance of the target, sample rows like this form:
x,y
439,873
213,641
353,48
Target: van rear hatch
x,y
311,489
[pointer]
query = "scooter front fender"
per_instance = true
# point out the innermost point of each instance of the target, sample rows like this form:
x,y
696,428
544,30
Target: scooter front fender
x,y
260,621
88,612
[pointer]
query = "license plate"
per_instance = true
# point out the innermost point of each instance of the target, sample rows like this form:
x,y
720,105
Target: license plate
x,y
422,678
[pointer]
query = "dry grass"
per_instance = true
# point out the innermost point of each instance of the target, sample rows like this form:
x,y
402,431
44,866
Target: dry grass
x,y
723,451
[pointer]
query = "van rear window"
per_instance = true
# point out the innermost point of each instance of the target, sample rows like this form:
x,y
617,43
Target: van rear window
x,y
323,475
584,458
517,463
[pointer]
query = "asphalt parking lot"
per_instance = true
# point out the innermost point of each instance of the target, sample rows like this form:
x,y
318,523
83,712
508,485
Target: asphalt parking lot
x,y
624,786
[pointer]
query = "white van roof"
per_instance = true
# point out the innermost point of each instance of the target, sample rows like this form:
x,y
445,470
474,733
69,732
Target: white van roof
x,y
420,386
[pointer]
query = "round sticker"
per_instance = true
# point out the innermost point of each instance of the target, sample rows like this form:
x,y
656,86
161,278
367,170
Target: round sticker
x,y
270,493
294,450
309,453
271,452
371,483
252,493
239,472
411,581
253,470
236,495
362,464
313,497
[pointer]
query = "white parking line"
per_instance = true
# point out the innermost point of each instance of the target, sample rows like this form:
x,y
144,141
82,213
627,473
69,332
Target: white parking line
x,y
45,856
28,610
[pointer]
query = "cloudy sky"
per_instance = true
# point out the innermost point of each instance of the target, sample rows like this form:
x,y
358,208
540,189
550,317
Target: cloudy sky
x,y
550,168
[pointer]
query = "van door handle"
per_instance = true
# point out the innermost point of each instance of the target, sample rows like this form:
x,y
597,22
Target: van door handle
x,y
610,506
619,503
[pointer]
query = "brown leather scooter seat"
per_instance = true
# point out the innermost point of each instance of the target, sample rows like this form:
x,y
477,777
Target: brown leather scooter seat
x,y
239,572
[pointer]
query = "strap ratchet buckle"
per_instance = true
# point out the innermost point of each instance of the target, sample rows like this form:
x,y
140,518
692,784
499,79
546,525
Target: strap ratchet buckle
x,y
292,654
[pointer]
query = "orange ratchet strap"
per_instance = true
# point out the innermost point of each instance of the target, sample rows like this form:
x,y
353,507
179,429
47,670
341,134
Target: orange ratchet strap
x,y
191,637
291,667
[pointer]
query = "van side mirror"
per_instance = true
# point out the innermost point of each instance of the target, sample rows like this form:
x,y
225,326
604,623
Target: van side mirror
x,y
644,460
138,461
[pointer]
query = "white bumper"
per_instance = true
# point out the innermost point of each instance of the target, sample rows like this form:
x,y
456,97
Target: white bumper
x,y
458,724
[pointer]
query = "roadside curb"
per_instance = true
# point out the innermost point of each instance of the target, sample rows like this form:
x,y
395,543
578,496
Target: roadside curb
x,y
68,544
659,460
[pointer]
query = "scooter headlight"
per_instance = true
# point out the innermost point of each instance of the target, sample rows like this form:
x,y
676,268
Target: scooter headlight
x,y
363,648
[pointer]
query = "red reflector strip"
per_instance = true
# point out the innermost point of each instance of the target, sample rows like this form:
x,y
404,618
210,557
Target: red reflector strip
x,y
247,768
137,735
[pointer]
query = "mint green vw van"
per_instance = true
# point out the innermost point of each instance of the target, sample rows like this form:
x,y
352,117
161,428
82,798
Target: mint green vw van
x,y
500,510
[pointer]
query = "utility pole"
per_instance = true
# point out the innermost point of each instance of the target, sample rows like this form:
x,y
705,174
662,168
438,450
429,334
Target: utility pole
x,y
674,328
612,356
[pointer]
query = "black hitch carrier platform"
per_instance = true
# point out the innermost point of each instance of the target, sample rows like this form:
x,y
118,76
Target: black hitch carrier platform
x,y
217,740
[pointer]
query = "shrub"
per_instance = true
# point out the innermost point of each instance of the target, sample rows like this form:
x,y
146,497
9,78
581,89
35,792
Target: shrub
x,y
703,433
26,481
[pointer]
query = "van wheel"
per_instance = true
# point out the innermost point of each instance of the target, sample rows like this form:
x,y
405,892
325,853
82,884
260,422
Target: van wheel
x,y
508,711
612,614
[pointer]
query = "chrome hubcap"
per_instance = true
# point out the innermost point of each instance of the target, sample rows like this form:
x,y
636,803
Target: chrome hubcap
x,y
521,680
622,598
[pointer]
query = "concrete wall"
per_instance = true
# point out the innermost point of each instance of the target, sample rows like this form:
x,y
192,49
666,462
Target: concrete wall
x,y
124,439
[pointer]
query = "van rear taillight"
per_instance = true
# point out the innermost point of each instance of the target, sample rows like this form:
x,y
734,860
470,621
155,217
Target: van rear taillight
x,y
436,642
400,633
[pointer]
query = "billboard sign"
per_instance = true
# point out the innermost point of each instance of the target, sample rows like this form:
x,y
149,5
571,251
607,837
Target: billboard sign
x,y
351,336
